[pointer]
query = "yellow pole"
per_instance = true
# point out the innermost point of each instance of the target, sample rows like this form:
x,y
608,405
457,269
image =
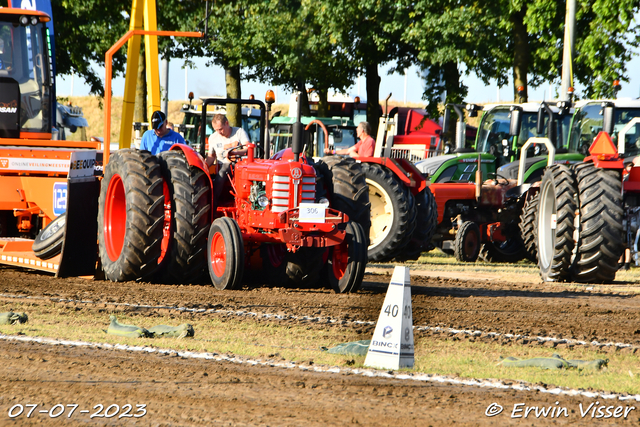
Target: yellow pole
x,y
133,51
151,56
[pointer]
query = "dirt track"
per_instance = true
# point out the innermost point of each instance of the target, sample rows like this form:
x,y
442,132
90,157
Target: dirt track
x,y
194,392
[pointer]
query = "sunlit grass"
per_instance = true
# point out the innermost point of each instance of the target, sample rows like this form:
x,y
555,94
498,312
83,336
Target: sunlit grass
x,y
302,343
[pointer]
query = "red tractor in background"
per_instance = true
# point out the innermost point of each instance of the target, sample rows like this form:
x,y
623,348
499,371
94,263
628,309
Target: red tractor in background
x,y
156,219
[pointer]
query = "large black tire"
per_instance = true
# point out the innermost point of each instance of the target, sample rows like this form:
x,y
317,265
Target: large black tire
x,y
555,223
225,254
466,246
49,240
426,223
274,263
346,263
511,251
528,228
601,237
299,269
130,216
187,220
392,213
342,180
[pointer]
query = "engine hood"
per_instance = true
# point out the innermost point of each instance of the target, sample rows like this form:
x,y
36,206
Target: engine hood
x,y
510,170
432,164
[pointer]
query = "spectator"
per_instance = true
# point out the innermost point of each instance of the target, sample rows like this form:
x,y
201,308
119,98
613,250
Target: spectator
x,y
159,138
364,147
169,125
224,139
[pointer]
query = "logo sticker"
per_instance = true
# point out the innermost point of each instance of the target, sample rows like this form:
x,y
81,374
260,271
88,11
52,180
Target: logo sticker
x,y
296,173
59,198
386,333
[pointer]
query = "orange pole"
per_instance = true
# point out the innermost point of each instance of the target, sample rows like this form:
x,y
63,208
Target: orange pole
x,y
108,57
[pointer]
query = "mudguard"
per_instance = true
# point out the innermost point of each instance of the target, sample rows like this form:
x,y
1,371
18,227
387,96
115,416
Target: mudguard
x,y
80,247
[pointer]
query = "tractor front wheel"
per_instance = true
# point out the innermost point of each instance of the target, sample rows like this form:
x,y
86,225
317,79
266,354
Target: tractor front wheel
x,y
130,216
225,254
466,246
347,261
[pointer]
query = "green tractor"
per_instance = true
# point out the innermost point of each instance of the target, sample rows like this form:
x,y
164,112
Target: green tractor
x,y
493,142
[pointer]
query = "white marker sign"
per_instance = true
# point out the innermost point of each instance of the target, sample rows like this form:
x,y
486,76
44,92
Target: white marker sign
x,y
311,212
392,343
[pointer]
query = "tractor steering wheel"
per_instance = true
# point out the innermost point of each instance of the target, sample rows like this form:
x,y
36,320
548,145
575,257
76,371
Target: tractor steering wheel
x,y
234,154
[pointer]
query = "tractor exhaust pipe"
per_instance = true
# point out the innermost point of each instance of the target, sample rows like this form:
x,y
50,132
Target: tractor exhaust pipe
x,y
298,131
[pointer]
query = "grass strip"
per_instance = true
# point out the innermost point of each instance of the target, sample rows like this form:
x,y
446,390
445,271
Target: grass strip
x,y
300,343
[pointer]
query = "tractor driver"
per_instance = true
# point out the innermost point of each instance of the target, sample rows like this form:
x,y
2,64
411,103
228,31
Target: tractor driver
x,y
224,139
159,138
364,147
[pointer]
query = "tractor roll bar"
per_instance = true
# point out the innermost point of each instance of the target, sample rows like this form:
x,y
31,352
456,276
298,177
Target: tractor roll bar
x,y
224,101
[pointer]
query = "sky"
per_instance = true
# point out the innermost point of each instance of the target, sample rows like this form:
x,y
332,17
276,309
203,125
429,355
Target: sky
x,y
209,81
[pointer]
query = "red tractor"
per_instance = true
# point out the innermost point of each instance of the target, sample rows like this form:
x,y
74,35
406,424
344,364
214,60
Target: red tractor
x,y
157,222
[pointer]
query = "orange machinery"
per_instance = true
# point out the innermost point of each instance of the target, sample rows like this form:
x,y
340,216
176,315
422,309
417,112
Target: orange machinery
x,y
38,174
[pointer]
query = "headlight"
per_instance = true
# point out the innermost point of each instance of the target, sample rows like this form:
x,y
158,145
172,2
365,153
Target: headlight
x,y
323,201
263,201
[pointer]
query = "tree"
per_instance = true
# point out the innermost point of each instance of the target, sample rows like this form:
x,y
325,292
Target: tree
x,y
84,31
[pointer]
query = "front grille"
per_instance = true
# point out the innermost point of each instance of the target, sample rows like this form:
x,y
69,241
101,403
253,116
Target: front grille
x,y
282,192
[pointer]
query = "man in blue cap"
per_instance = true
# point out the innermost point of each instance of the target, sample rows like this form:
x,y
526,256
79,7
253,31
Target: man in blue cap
x,y
159,138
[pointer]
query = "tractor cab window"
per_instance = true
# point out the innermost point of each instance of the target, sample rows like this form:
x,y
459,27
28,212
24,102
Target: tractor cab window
x,y
587,123
622,117
494,138
24,61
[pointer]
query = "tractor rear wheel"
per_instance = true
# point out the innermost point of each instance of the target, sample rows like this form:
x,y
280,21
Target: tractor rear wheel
x,y
555,223
130,216
528,228
342,180
225,254
466,246
347,261
601,237
283,268
511,250
187,219
49,240
426,223
392,213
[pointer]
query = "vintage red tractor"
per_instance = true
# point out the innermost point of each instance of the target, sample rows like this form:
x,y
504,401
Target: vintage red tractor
x,y
156,219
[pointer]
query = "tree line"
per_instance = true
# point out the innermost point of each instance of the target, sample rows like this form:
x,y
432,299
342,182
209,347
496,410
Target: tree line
x,y
327,44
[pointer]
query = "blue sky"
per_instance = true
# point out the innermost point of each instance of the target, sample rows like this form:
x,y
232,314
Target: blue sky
x,y
209,81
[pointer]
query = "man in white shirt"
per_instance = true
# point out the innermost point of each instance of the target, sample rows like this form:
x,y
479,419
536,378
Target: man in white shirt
x,y
224,139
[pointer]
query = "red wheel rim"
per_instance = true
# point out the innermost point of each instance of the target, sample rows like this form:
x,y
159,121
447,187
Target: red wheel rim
x,y
166,228
218,254
471,244
340,260
115,218
276,254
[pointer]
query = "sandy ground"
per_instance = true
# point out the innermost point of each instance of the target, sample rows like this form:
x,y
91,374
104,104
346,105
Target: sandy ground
x,y
181,391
